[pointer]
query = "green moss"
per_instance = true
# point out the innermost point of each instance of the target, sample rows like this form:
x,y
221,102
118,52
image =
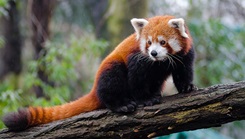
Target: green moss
x,y
186,116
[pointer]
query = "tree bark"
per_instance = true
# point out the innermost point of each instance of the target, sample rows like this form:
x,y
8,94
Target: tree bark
x,y
208,107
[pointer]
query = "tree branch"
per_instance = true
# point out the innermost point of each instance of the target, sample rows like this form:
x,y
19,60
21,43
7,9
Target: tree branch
x,y
209,107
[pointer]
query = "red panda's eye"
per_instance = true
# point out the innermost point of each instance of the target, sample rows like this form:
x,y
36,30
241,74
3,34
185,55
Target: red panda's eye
x,y
162,42
149,42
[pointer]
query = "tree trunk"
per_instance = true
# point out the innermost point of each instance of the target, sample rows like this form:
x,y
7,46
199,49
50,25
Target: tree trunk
x,y
13,43
209,107
119,14
41,11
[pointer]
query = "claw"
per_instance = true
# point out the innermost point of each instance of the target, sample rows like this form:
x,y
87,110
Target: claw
x,y
188,88
133,103
131,108
148,103
152,101
125,109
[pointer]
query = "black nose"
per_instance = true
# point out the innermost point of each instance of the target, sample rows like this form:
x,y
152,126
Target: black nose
x,y
154,53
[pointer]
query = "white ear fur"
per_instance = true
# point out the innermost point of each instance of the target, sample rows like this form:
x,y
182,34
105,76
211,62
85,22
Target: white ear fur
x,y
179,24
138,25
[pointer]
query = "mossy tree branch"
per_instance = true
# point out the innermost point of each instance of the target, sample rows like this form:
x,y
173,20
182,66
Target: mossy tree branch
x,y
208,107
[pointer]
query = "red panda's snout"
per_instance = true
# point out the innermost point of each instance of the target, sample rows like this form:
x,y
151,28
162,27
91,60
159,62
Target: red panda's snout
x,y
156,50
159,49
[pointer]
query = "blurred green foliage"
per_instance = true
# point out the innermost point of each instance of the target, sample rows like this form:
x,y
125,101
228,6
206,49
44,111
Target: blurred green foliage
x,y
3,5
60,61
220,52
197,134
2,41
219,59
74,12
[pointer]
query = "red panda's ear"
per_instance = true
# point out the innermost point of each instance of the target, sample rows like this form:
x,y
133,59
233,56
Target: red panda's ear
x,y
179,24
138,25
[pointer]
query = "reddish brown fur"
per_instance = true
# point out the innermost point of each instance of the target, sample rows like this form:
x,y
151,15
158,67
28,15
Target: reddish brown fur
x,y
38,115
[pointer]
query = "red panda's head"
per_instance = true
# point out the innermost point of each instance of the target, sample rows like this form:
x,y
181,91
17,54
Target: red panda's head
x,y
162,35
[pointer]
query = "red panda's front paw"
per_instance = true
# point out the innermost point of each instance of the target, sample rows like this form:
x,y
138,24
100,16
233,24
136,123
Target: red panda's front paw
x,y
187,88
154,100
131,107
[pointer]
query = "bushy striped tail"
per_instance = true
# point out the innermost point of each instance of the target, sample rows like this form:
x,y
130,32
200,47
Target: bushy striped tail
x,y
24,118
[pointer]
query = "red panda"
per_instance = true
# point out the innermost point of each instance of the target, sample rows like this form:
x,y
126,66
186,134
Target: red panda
x,y
131,75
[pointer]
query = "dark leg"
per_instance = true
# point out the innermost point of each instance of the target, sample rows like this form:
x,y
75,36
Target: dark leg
x,y
113,89
155,99
183,75
145,95
145,79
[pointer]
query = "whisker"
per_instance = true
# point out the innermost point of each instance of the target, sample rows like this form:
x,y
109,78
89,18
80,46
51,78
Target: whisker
x,y
178,58
172,62
168,57
140,57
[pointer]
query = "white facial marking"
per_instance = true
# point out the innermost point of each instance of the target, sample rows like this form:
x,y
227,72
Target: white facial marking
x,y
143,42
161,51
150,38
160,38
174,44
138,25
142,45
179,24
